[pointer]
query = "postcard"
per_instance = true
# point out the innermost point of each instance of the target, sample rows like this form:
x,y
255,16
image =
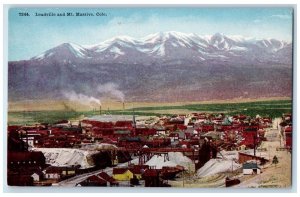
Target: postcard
x,y
179,97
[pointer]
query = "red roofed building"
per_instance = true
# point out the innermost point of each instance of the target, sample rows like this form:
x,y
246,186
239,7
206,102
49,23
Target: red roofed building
x,y
109,179
124,124
94,181
21,159
288,137
19,180
152,179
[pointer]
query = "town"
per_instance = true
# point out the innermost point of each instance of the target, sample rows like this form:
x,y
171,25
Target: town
x,y
182,150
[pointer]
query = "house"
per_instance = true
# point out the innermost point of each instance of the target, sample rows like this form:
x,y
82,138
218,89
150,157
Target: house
x,y
25,159
152,179
160,130
138,170
244,157
288,140
37,176
94,181
53,173
251,168
122,174
107,178
174,136
144,131
70,171
288,137
19,180
125,174
31,137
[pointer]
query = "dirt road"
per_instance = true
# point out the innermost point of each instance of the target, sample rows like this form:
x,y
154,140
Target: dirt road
x,y
279,175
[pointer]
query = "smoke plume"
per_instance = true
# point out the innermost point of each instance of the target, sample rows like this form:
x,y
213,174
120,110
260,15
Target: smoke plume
x,y
81,98
111,89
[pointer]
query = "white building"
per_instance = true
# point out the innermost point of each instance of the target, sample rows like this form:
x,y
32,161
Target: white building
x,y
251,168
37,176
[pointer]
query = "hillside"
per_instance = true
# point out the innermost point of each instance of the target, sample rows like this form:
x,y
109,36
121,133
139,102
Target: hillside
x,y
162,67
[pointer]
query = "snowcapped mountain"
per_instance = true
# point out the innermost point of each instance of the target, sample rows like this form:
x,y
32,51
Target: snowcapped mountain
x,y
65,50
165,66
163,47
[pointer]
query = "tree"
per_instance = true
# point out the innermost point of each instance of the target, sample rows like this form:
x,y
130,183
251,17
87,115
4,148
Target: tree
x,y
275,160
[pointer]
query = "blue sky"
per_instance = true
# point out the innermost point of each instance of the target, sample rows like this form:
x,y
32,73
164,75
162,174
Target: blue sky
x,y
30,36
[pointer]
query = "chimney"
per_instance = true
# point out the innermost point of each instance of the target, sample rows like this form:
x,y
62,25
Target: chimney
x,y
123,105
100,110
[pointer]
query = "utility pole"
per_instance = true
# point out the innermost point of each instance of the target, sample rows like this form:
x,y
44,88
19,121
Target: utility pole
x,y
254,139
183,178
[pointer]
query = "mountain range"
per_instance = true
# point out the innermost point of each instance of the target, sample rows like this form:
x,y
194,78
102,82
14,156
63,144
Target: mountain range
x,y
165,66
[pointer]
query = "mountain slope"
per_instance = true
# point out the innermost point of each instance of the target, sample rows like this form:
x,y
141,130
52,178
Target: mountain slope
x,y
169,46
166,66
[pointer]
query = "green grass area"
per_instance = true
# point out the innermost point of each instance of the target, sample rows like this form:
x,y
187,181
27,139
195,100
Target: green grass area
x,y
271,109
40,116
22,118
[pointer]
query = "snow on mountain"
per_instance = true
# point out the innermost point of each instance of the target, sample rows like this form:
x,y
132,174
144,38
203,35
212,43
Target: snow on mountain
x,y
169,46
63,51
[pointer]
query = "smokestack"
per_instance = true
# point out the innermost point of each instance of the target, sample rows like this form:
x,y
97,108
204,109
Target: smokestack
x,y
123,105
100,110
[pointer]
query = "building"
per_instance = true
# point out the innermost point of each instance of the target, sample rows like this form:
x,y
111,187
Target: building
x,y
125,174
251,168
94,181
19,180
53,173
25,159
122,174
109,179
288,137
37,176
152,178
243,157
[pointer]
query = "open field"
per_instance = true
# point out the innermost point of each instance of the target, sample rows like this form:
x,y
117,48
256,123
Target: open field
x,y
271,108
66,105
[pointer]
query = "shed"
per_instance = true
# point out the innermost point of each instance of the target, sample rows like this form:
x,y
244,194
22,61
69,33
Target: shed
x,y
37,176
251,168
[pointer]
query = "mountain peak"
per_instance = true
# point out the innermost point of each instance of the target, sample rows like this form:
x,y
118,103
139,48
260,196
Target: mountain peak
x,y
64,50
218,34
171,46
